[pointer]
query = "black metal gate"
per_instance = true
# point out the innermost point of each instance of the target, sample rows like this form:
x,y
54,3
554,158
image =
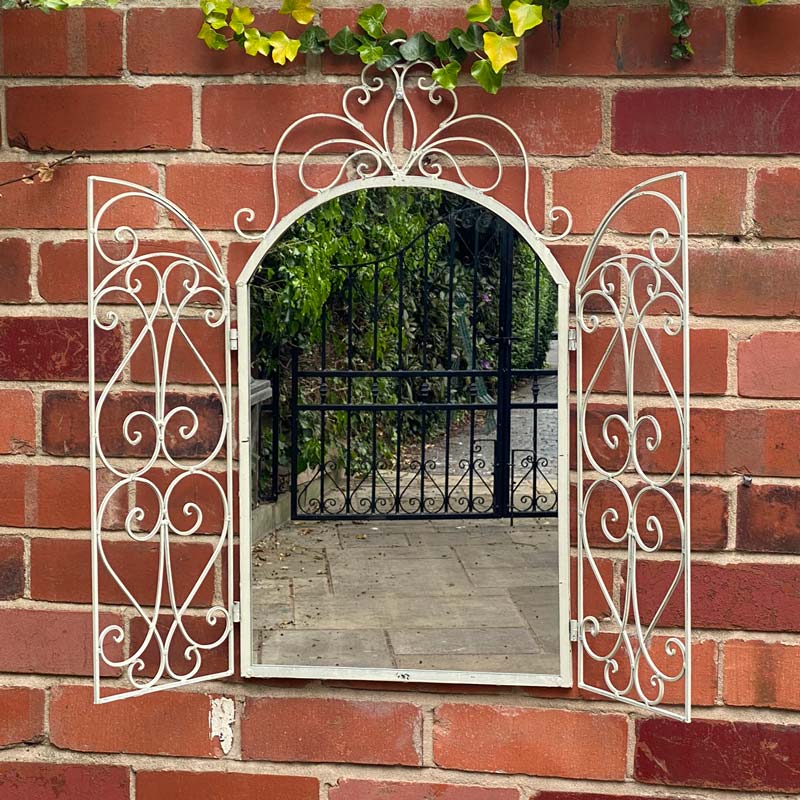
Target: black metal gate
x,y
422,399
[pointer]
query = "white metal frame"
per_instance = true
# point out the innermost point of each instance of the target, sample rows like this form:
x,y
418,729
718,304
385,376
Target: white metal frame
x,y
207,283
376,159
249,667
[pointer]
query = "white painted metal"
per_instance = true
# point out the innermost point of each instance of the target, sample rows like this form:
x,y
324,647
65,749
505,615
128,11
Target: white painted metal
x,y
635,666
373,160
199,290
368,162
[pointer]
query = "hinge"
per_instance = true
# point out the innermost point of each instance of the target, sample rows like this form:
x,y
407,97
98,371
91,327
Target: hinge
x,y
234,341
572,338
573,630
237,611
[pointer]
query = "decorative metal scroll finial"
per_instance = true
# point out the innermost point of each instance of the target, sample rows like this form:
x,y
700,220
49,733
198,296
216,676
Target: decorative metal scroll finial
x,y
371,155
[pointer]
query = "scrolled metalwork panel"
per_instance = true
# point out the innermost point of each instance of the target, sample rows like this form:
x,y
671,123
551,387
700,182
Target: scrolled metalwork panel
x,y
372,153
161,452
633,458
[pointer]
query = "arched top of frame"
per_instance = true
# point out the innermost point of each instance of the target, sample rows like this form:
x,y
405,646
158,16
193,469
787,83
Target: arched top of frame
x,y
384,136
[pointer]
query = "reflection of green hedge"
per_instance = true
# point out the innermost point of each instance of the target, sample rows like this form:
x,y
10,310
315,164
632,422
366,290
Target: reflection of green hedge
x,y
303,272
530,347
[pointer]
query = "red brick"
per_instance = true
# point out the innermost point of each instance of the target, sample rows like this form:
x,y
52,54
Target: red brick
x,y
753,119
171,724
12,568
716,198
18,422
61,203
252,117
62,269
211,194
223,786
54,348
184,365
755,597
768,518
709,509
15,270
594,601
328,730
84,42
352,789
65,423
203,490
723,442
531,741
590,796
709,362
52,496
38,781
766,44
61,571
704,670
214,661
62,644
761,674
21,716
751,756
620,40
83,117
758,282
176,50
769,365
539,115
777,209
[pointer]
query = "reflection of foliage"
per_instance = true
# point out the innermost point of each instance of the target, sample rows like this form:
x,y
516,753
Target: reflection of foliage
x,y
391,279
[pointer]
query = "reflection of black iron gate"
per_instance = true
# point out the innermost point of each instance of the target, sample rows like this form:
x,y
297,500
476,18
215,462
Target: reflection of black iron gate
x,y
423,397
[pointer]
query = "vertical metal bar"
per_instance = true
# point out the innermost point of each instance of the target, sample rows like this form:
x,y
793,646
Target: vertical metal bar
x,y
535,390
451,258
473,389
323,396
399,382
276,431
294,431
375,283
425,392
348,500
503,440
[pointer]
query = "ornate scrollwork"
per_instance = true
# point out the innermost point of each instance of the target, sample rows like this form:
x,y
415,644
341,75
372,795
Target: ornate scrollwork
x,y
633,303
370,154
164,450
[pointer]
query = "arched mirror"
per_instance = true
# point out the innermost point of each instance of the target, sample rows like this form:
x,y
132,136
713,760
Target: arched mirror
x,y
408,440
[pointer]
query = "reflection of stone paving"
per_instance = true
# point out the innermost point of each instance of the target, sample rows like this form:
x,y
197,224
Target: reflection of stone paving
x,y
456,595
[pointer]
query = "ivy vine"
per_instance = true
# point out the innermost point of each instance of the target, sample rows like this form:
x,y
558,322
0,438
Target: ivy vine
x,y
487,43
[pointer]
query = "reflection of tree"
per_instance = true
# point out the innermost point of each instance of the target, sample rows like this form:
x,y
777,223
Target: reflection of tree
x,y
391,279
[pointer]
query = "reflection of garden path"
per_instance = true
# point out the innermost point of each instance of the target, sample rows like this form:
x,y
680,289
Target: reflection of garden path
x,y
451,595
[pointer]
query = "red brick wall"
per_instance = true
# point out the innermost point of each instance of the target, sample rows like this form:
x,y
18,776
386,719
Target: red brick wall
x,y
598,113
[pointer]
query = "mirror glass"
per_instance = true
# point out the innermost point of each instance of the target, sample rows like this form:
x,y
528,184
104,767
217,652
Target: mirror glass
x,y
404,424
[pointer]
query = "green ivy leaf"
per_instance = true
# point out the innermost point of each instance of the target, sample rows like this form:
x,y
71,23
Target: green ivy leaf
x,y
480,12
370,53
255,43
488,79
241,17
501,50
471,39
447,51
392,36
313,40
345,42
682,51
219,7
283,48
447,76
391,55
419,47
300,10
214,40
680,30
371,19
524,17
758,2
